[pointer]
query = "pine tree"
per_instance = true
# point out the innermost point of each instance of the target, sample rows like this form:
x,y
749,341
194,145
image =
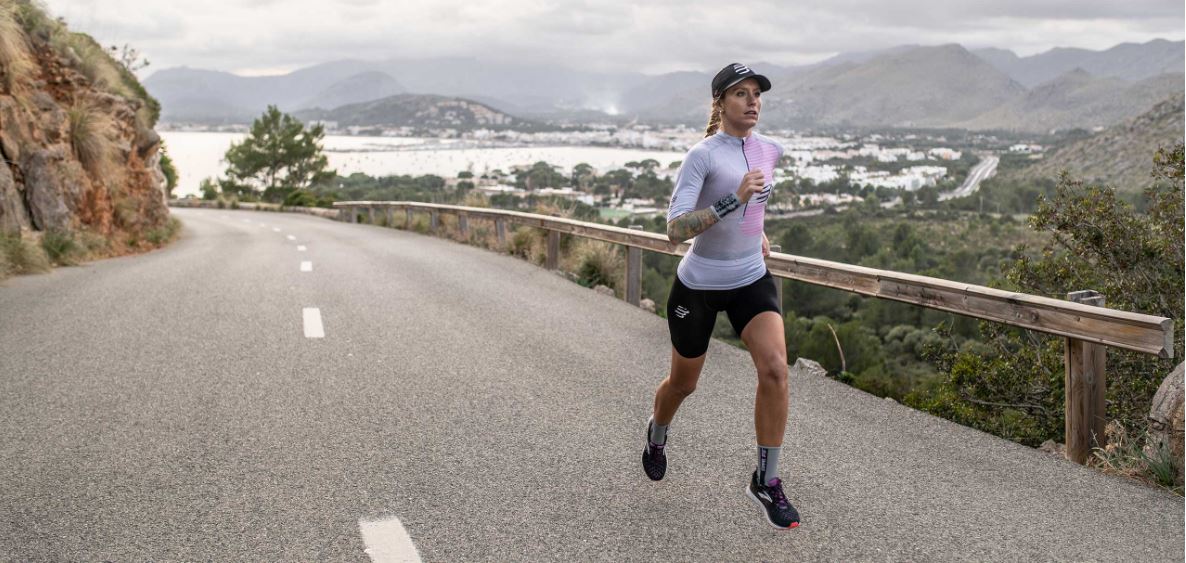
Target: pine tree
x,y
280,156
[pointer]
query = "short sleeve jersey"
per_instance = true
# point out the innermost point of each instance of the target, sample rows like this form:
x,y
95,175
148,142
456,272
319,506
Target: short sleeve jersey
x,y
728,255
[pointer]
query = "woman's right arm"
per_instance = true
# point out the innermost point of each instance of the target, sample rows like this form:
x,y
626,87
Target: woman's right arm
x,y
690,224
693,223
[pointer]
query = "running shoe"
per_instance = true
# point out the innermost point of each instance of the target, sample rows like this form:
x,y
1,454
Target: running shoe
x,y
654,458
774,503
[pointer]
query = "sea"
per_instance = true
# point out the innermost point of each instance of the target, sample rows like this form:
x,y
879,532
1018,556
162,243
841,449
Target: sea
x,y
199,154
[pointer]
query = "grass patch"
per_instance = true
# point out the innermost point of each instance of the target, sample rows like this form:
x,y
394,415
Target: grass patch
x,y
597,263
90,137
164,233
16,63
22,256
62,248
1124,455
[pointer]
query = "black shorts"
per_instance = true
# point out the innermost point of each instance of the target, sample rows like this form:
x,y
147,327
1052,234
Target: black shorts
x,y
692,313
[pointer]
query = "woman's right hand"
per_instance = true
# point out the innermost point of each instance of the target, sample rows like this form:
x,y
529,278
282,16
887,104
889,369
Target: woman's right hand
x,y
753,182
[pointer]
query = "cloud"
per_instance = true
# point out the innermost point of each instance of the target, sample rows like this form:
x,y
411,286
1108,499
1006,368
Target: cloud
x,y
606,35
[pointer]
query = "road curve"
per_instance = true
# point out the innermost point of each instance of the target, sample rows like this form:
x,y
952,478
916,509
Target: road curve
x,y
169,406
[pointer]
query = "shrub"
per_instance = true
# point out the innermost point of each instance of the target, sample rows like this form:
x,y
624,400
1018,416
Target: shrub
x,y
169,170
530,244
597,263
165,233
61,247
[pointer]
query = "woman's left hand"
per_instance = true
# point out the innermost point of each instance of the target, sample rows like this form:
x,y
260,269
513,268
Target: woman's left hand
x,y
765,246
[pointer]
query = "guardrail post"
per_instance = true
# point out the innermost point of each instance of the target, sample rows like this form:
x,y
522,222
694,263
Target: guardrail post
x,y
408,219
371,214
463,225
389,213
1086,384
553,262
778,282
634,271
435,221
353,214
500,226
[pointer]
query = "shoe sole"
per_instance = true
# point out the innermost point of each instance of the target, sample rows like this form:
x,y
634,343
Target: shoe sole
x,y
766,515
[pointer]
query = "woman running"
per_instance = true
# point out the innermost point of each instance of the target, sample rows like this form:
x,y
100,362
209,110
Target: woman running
x,y
720,199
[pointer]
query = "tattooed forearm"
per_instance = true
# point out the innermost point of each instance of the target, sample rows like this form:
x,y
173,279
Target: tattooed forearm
x,y
691,224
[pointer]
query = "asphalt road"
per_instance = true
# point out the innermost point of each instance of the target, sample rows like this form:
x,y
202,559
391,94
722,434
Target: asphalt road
x,y
169,406
983,170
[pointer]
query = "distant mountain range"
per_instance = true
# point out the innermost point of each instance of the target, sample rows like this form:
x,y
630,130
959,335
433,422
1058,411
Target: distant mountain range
x,y
905,86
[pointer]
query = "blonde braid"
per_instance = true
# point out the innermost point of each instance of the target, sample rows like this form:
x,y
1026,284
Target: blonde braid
x,y
714,117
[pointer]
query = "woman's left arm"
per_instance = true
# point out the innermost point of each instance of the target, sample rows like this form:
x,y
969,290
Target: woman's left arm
x,y
765,246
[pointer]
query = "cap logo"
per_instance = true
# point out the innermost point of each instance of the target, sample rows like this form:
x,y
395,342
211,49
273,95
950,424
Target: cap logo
x,y
741,69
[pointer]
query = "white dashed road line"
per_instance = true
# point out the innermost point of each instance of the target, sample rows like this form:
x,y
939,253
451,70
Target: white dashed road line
x,y
275,229
388,542
313,328
301,248
290,237
306,266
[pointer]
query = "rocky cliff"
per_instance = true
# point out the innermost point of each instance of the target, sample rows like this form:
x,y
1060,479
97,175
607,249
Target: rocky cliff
x,y
77,139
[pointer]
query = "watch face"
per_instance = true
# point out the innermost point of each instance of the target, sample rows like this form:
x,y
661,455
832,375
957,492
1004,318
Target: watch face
x,y
759,155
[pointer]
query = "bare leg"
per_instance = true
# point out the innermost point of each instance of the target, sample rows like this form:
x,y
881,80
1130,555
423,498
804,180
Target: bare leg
x,y
680,383
764,338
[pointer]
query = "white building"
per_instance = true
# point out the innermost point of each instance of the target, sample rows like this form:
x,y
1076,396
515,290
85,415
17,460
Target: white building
x,y
944,153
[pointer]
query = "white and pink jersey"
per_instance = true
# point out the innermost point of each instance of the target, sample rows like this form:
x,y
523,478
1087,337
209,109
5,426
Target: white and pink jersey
x,y
729,254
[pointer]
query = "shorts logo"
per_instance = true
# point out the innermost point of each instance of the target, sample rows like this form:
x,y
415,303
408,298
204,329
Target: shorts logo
x,y
681,312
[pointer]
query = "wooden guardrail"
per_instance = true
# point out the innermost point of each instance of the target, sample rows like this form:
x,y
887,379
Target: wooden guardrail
x,y
1088,327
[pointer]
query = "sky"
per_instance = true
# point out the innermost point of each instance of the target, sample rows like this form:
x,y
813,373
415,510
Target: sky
x,y
260,37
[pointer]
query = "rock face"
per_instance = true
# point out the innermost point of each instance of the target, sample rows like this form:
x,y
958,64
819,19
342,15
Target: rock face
x,y
77,154
1166,419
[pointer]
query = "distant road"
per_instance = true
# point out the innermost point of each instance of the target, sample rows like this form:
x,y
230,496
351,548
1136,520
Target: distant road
x,y
983,170
235,398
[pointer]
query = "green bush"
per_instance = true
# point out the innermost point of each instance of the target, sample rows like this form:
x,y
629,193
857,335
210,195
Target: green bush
x,y
61,247
164,233
598,263
169,170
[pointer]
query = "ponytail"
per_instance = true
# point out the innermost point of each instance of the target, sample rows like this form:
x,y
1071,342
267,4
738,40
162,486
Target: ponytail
x,y
714,117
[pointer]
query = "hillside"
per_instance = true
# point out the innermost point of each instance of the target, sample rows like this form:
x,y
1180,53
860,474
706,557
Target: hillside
x,y
76,133
1078,99
417,110
922,87
1120,155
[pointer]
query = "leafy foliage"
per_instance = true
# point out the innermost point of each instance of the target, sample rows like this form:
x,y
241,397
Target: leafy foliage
x,y
278,157
169,170
1014,386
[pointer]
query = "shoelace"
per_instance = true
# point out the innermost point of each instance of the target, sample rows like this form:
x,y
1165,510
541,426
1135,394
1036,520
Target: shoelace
x,y
775,488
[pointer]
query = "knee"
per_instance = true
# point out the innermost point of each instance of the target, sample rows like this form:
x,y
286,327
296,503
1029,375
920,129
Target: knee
x,y
683,389
773,370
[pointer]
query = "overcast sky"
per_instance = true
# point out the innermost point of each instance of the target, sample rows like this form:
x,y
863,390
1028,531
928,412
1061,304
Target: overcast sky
x,y
651,36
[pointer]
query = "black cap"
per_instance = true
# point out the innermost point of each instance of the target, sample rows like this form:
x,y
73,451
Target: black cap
x,y
734,73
